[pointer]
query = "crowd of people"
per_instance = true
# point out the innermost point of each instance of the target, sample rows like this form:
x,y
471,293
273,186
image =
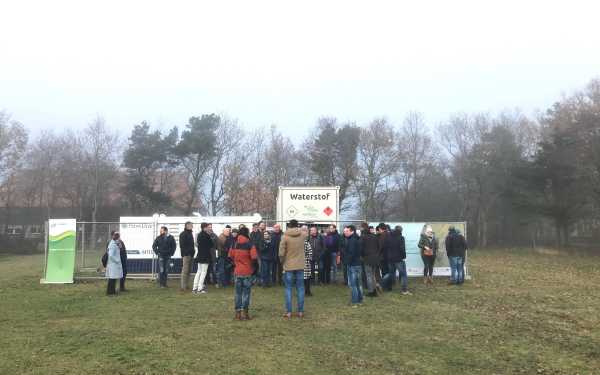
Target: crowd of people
x,y
370,259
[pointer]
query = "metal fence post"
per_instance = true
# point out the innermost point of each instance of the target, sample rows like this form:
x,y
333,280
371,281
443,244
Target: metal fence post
x,y
46,234
83,245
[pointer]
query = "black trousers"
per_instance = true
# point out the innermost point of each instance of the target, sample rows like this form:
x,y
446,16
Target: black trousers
x,y
325,273
307,287
111,288
122,281
428,261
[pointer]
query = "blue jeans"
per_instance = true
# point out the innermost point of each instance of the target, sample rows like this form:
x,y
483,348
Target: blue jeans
x,y
457,270
223,275
401,267
163,270
243,288
266,269
355,276
291,278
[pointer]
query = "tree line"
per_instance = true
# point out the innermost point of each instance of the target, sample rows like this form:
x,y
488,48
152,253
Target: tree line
x,y
512,177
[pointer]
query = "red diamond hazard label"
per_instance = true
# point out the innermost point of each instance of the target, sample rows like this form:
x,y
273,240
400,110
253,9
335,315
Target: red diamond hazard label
x,y
328,211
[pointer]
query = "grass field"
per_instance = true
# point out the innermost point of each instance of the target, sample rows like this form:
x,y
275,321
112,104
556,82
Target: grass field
x,y
524,312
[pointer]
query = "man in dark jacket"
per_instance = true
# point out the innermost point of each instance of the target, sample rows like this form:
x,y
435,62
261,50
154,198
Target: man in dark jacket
x,y
352,259
164,246
395,248
370,247
186,245
382,234
333,243
257,238
204,257
318,246
277,271
456,248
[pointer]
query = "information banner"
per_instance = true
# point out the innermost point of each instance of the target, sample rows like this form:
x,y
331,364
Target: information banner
x,y
412,235
60,261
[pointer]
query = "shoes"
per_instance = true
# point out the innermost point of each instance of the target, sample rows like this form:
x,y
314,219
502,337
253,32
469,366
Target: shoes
x,y
406,293
287,316
372,294
203,291
238,315
300,315
245,315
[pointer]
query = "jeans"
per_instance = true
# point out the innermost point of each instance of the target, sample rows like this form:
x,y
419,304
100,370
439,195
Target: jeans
x,y
354,276
297,278
457,270
163,270
185,271
370,275
266,269
200,276
243,288
223,272
391,275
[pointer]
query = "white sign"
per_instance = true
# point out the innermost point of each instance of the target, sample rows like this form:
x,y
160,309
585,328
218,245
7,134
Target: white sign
x,y
308,204
138,233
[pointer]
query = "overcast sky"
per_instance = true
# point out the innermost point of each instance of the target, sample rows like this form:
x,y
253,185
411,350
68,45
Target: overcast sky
x,y
288,63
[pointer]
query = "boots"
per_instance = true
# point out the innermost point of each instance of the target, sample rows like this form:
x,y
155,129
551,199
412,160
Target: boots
x,y
430,280
238,315
425,280
245,315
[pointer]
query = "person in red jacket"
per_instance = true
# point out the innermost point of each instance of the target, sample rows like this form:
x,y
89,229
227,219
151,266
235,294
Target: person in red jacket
x,y
244,257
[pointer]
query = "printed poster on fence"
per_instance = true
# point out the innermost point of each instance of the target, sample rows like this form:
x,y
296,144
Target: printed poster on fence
x,y
60,262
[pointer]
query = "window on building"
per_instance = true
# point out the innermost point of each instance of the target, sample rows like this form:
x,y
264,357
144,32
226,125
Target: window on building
x,y
14,229
36,229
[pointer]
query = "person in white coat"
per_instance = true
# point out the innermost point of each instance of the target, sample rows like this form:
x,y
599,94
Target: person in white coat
x,y
114,268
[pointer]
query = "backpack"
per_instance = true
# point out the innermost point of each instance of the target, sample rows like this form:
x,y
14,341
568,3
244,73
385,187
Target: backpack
x,y
104,259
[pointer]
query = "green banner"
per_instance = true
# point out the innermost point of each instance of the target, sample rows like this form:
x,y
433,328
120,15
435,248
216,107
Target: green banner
x,y
60,262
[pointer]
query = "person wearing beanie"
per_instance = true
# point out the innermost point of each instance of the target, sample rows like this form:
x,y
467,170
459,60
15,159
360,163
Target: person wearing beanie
x,y
456,247
244,257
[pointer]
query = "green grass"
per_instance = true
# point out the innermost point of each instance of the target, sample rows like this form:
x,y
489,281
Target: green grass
x,y
523,312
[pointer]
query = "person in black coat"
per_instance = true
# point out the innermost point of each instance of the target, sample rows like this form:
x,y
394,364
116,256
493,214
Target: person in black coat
x,y
352,260
456,248
370,246
186,245
164,246
395,248
204,257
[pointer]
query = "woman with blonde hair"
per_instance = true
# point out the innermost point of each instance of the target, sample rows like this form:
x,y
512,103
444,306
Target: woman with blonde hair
x,y
429,246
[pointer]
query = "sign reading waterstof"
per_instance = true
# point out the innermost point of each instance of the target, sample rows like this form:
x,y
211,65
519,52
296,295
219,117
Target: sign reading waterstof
x,y
60,263
310,204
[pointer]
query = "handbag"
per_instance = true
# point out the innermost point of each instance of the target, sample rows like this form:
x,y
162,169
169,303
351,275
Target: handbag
x,y
428,252
104,259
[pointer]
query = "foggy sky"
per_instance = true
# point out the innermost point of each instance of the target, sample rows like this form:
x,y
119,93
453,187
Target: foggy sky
x,y
288,63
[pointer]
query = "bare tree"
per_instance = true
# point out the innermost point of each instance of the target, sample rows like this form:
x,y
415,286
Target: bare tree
x,y
228,143
378,159
417,154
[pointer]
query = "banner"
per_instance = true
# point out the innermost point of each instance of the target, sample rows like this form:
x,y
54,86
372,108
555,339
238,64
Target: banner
x,y
412,235
60,261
